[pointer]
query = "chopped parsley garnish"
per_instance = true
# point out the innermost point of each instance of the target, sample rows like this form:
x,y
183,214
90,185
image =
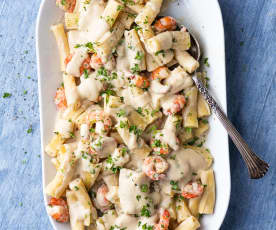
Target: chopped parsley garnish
x,y
138,197
157,143
116,227
77,46
174,185
194,174
7,95
145,211
89,45
140,111
135,130
192,142
102,71
159,52
76,188
173,157
119,8
114,75
147,227
144,188
188,130
146,20
135,69
206,63
128,2
139,55
123,124
85,74
205,121
30,130
137,28
121,113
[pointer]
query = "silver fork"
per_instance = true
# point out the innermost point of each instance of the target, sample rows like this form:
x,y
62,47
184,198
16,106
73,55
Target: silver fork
x,y
256,166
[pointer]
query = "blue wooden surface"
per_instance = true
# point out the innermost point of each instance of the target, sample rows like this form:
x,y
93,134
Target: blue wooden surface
x,y
250,29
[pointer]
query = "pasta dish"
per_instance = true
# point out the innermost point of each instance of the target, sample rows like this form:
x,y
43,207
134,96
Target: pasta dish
x,y
128,141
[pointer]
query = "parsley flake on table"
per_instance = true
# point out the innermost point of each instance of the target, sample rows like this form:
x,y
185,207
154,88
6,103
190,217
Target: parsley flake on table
x,y
7,95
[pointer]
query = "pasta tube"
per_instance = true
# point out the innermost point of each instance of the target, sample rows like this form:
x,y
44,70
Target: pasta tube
x,y
151,62
207,203
203,108
84,202
64,175
186,61
71,21
111,12
193,205
149,12
135,52
202,129
123,128
190,111
72,199
54,145
190,223
162,41
62,43
71,91
181,40
145,33
205,153
110,39
126,19
90,173
182,210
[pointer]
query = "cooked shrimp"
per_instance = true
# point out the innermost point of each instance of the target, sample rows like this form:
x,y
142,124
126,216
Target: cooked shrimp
x,y
177,105
58,209
101,200
165,23
68,59
158,145
60,99
154,167
84,66
164,220
142,82
96,61
102,120
66,5
161,72
192,190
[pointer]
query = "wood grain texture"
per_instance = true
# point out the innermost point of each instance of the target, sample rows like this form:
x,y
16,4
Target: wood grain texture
x,y
251,86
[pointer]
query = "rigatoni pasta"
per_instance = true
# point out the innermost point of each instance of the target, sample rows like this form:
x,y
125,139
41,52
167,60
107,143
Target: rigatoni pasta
x,y
62,43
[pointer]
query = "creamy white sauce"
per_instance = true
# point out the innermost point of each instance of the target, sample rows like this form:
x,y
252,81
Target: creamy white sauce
x,y
90,23
178,80
64,127
90,88
129,188
73,67
187,162
169,133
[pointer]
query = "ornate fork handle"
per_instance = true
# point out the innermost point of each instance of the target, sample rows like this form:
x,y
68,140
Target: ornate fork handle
x,y
257,167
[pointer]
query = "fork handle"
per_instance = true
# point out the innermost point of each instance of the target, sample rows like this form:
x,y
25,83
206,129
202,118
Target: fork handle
x,y
256,166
